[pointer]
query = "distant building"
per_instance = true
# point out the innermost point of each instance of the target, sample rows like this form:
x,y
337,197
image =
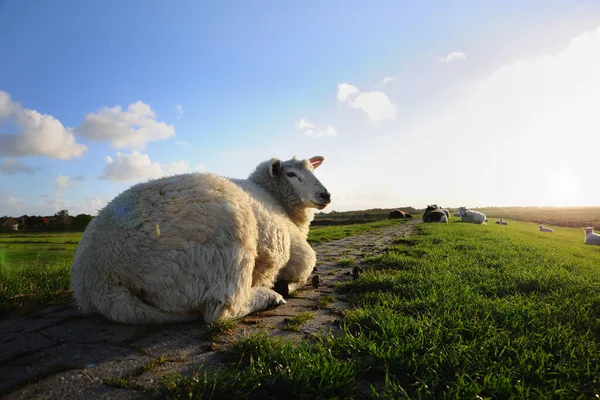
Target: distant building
x,y
11,223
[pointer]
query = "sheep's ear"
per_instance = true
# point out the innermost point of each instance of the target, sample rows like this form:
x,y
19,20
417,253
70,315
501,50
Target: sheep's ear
x,y
316,161
275,168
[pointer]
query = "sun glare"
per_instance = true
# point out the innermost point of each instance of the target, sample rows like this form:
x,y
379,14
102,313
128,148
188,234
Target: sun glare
x,y
563,190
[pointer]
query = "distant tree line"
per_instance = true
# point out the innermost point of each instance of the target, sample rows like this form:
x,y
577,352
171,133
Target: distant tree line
x,y
60,221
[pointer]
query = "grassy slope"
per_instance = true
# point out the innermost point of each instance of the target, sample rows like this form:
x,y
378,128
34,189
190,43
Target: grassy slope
x,y
576,217
457,311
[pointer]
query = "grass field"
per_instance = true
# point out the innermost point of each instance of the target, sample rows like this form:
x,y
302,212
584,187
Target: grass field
x,y
35,267
456,311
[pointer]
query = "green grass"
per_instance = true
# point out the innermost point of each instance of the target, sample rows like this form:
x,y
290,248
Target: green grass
x,y
271,369
35,267
345,261
489,312
325,300
19,248
220,328
322,234
294,323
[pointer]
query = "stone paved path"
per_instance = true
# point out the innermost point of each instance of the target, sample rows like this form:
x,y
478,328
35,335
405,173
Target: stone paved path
x,y
56,353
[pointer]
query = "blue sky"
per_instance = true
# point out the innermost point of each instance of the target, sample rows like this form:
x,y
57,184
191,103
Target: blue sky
x,y
485,103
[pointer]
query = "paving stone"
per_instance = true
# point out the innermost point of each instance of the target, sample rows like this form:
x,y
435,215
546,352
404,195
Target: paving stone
x,y
172,344
27,324
15,344
150,379
90,330
57,353
98,362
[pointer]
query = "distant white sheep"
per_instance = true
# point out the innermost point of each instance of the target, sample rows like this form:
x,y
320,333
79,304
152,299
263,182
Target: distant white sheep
x,y
502,222
544,229
457,214
591,237
200,246
473,216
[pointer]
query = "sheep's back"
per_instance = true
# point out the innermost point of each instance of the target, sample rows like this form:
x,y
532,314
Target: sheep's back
x,y
172,214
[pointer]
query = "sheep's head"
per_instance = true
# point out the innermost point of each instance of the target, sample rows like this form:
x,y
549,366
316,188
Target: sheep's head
x,y
462,210
588,231
299,177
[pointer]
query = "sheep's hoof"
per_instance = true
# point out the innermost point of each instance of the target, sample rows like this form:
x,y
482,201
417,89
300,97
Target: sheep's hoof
x,y
283,288
316,280
281,302
356,271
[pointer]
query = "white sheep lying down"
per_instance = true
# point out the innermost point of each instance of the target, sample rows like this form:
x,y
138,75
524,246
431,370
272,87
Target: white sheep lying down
x,y
590,236
544,229
200,246
473,216
502,222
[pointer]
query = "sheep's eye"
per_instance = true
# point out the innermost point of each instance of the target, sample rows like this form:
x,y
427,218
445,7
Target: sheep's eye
x,y
291,174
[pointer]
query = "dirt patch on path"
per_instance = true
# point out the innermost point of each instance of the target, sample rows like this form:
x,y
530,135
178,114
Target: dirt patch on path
x,y
56,352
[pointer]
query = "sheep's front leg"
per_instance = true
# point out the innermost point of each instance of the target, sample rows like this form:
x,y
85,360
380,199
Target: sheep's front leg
x,y
299,267
259,299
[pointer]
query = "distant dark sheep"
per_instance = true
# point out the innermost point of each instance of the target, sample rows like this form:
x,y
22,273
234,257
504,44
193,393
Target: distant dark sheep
x,y
433,214
397,214
408,216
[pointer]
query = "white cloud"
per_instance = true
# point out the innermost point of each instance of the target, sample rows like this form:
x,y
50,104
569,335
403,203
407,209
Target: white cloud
x,y
37,134
346,92
11,166
177,167
63,182
48,205
183,143
389,79
529,123
132,129
11,206
7,106
375,104
454,56
137,166
88,205
179,109
312,130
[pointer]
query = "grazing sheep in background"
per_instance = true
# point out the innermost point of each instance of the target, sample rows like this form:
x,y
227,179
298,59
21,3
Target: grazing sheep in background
x,y
200,246
544,229
396,214
457,214
590,236
409,216
433,214
473,216
501,222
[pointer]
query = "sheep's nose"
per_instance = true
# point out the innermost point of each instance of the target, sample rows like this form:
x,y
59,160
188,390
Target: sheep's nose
x,y
325,196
